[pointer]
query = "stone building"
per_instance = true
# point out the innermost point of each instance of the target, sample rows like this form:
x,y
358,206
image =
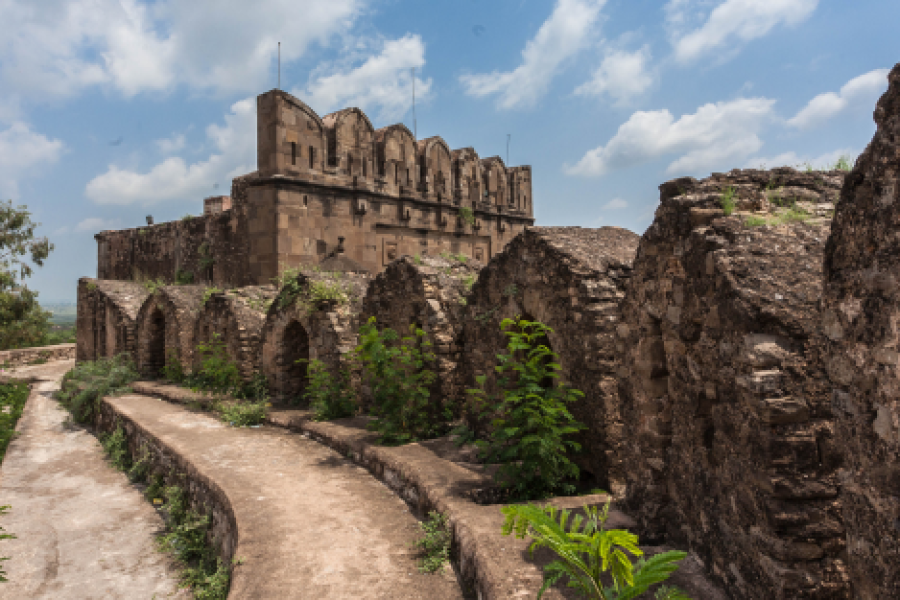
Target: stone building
x,y
430,293
106,318
323,180
166,324
571,279
732,449
861,309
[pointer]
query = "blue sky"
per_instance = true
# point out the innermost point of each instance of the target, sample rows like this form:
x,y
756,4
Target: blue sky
x,y
114,109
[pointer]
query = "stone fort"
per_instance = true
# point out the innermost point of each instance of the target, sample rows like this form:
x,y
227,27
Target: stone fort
x,y
331,188
740,367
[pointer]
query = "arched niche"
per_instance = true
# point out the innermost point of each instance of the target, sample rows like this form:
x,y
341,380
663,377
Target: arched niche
x,y
351,143
495,181
396,151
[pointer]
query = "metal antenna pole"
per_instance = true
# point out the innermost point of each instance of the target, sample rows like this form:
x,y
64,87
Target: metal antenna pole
x,y
279,65
415,129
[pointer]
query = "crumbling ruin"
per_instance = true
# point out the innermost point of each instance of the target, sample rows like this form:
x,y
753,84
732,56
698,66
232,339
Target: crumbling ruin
x,y
860,311
166,324
571,279
106,320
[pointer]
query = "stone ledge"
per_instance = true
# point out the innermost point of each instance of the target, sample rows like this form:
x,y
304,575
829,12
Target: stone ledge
x,y
25,356
491,565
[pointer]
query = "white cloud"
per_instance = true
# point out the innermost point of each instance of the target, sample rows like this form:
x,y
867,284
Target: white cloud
x,y
561,36
859,91
615,204
623,76
716,134
23,151
95,224
171,145
730,23
173,179
60,47
381,83
792,159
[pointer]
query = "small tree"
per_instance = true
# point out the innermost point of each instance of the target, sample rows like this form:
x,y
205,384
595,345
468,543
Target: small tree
x,y
22,321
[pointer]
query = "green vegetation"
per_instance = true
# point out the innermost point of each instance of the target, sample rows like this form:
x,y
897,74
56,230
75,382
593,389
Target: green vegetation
x,y
206,258
469,281
531,426
783,217
12,401
153,284
330,397
727,201
88,382
843,164
417,258
396,371
434,545
208,293
467,215
183,277
457,257
4,536
187,218
116,446
308,294
242,414
592,558
23,323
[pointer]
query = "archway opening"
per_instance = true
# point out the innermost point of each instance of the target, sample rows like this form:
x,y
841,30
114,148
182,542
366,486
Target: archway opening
x,y
156,344
294,350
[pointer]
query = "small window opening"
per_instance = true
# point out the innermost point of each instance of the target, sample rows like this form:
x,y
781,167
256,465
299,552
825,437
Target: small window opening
x,y
293,153
312,157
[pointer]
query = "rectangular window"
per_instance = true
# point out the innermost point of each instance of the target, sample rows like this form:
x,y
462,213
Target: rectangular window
x,y
312,157
293,153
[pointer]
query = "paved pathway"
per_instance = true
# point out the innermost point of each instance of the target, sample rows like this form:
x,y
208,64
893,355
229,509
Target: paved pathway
x,y
311,523
83,530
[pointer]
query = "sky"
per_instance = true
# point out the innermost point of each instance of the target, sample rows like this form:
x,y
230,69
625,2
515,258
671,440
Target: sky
x,y
111,110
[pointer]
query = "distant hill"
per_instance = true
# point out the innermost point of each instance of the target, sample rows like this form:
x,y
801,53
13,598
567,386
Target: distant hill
x,y
64,313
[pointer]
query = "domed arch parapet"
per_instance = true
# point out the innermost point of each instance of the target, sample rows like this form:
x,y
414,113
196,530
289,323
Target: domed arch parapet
x,y
396,154
290,136
351,143
467,175
496,182
435,166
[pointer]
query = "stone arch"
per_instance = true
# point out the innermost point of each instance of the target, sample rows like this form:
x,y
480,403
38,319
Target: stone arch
x,y
295,326
237,316
570,279
436,174
724,390
397,156
107,312
429,294
351,143
495,181
467,175
179,306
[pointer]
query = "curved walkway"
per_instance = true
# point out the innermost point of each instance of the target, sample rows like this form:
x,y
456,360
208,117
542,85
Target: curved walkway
x,y
83,531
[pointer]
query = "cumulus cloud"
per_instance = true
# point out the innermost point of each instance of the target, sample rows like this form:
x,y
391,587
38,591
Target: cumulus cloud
x,y
23,151
379,82
622,76
615,204
95,224
60,47
801,161
173,179
561,36
859,91
171,145
731,22
716,134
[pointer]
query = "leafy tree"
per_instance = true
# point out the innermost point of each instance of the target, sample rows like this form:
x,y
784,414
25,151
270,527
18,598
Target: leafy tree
x,y
22,321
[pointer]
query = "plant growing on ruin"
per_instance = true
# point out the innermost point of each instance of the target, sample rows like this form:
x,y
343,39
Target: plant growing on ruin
x,y
217,373
468,281
466,214
88,382
208,293
4,536
594,560
434,545
183,277
330,397
843,164
531,427
115,445
242,414
727,201
396,371
206,258
13,396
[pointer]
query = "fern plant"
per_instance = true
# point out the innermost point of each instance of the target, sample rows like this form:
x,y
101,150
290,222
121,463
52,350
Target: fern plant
x,y
594,560
330,397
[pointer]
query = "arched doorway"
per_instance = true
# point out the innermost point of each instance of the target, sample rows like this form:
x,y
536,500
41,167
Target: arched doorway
x,y
291,377
156,344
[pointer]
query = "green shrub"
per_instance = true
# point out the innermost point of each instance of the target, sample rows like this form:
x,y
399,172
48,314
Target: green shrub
x,y
531,426
116,446
88,382
183,277
329,397
434,545
396,372
153,284
589,555
843,164
467,215
754,221
242,414
727,201
208,293
217,372
12,402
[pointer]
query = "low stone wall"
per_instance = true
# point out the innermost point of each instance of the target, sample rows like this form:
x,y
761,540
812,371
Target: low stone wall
x,y
107,315
861,309
41,354
429,292
732,448
571,279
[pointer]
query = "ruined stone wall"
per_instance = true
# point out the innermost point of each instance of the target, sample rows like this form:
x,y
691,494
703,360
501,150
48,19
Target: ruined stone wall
x,y
429,292
236,317
860,312
298,327
166,324
731,448
571,279
211,248
106,317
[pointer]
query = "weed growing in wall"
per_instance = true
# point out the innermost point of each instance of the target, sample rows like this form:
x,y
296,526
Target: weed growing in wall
x,y
208,293
153,284
396,371
12,401
217,372
4,536
84,386
467,215
589,555
115,445
183,277
843,164
531,426
727,201
330,397
242,414
434,545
